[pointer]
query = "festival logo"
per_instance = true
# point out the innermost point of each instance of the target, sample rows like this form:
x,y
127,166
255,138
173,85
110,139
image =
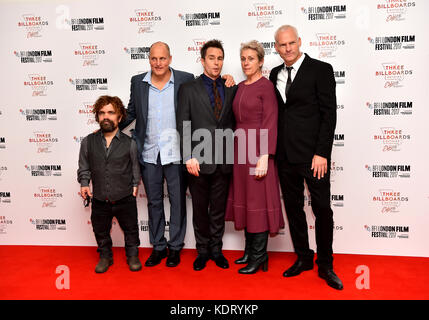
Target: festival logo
x,y
337,200
43,140
40,114
39,84
398,42
89,84
33,25
200,19
325,12
390,108
339,140
86,24
265,14
340,77
5,197
389,232
145,20
392,138
390,200
90,53
327,44
49,224
2,143
391,171
269,47
138,53
395,10
86,112
34,56
44,170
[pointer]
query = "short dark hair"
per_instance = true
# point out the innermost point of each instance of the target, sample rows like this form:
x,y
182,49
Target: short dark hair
x,y
114,101
211,44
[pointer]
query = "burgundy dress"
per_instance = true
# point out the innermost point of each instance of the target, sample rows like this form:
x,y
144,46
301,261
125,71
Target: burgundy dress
x,y
255,204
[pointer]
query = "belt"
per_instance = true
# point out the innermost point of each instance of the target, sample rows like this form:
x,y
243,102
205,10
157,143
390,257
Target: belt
x,y
107,201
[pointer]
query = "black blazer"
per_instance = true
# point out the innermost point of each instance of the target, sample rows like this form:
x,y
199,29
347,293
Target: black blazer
x,y
307,120
196,112
139,102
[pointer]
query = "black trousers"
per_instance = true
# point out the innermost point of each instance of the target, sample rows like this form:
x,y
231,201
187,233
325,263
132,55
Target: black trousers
x,y
125,211
209,195
292,177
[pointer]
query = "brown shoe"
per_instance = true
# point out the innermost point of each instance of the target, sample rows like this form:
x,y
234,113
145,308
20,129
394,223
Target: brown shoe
x,y
134,263
103,265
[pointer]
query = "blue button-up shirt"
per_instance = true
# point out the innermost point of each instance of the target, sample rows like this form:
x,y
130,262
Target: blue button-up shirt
x,y
208,83
161,134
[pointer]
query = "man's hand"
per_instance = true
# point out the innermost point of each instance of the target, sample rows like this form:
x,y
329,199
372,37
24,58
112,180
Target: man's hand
x,y
229,80
319,165
135,191
84,191
193,167
261,169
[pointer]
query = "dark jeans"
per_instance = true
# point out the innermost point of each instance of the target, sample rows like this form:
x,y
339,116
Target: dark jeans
x,y
209,195
125,211
292,177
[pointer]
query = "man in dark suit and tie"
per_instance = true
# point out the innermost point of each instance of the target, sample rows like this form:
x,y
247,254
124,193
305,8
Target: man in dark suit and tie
x,y
205,121
305,89
153,104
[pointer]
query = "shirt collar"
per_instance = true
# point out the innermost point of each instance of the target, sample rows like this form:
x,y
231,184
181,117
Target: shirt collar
x,y
117,135
148,77
297,63
210,81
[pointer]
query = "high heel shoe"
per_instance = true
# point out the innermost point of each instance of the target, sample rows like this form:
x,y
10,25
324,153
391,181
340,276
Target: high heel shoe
x,y
254,266
258,256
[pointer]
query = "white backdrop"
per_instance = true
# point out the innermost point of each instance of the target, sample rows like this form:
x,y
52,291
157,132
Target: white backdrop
x,y
57,57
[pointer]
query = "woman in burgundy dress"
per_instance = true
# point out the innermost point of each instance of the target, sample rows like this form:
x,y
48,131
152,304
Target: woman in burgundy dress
x,y
254,198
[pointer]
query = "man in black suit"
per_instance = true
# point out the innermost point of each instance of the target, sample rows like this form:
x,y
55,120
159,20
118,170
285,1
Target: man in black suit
x,y
153,104
305,89
205,106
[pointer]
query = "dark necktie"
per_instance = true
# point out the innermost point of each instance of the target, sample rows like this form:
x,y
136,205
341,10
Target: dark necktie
x,y
289,79
217,102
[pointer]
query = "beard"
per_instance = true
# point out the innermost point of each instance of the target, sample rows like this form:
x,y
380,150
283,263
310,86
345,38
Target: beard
x,y
107,126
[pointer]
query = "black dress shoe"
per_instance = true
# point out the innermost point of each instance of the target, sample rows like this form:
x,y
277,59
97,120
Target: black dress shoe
x,y
200,262
173,258
331,278
298,267
220,261
156,257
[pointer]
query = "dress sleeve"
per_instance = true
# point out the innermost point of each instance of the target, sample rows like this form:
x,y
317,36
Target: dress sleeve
x,y
269,118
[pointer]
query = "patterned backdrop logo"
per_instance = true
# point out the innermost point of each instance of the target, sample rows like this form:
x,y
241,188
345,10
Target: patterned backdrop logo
x,y
396,10
393,74
39,114
195,48
145,20
49,224
390,232
44,141
137,53
328,44
44,170
392,138
5,197
325,12
339,140
390,200
4,222
269,47
34,56
391,171
2,143
340,76
393,42
90,53
86,112
89,84
265,14
33,25
336,169
86,24
393,108
48,196
39,84
200,19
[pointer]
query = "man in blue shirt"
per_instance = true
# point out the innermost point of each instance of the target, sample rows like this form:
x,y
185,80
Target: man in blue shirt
x,y
153,105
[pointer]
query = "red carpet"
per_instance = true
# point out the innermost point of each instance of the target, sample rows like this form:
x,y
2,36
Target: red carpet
x,y
29,272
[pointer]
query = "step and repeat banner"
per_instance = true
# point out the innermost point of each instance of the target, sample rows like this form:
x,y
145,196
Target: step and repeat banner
x,y
57,57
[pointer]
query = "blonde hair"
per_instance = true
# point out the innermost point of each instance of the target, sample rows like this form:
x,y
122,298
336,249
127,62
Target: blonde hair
x,y
254,45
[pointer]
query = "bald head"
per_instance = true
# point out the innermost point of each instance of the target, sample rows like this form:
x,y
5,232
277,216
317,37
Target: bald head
x,y
159,44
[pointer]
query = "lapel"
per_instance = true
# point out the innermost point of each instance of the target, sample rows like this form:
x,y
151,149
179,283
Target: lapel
x,y
300,74
145,98
177,83
225,99
201,88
